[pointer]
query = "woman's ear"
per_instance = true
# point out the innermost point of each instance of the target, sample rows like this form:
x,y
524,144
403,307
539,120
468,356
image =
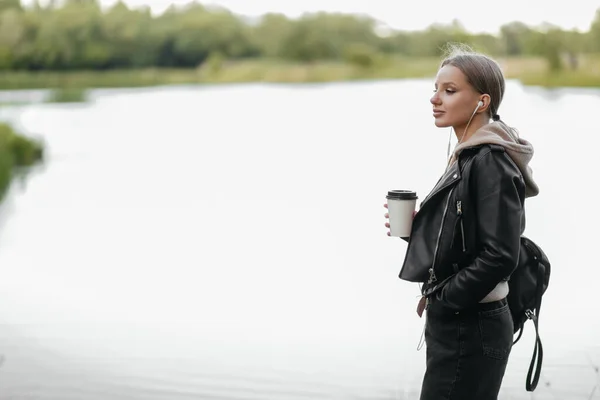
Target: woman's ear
x,y
486,100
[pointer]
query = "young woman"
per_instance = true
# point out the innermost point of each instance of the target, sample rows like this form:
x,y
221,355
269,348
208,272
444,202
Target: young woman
x,y
464,242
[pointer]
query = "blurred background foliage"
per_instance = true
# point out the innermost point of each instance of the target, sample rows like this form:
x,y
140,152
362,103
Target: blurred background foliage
x,y
80,35
78,43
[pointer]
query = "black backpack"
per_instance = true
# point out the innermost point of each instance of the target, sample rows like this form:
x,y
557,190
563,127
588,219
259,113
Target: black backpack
x,y
527,285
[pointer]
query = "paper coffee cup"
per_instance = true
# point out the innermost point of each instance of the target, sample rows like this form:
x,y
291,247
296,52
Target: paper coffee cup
x,y
401,206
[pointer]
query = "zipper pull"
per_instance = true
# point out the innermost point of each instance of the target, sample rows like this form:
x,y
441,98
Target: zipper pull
x,y
462,233
462,228
432,277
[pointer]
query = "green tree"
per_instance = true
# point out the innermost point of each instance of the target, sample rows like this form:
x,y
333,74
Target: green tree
x,y
595,33
267,35
10,5
12,32
515,35
325,36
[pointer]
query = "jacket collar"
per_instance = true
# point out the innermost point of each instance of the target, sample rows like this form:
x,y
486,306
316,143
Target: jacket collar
x,y
450,177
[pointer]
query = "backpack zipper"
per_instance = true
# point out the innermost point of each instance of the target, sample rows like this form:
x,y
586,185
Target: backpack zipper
x,y
432,277
462,228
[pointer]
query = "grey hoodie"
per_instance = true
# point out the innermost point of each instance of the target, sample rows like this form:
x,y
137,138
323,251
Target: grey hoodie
x,y
519,150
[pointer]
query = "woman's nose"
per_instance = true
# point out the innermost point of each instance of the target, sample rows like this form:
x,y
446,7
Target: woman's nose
x,y
434,99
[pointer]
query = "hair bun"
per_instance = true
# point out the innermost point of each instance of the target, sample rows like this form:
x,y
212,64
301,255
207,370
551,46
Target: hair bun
x,y
496,117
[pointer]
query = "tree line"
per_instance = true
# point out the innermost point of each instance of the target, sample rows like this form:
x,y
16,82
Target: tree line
x,y
79,34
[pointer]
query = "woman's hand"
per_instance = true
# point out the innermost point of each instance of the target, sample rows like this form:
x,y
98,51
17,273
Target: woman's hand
x,y
387,217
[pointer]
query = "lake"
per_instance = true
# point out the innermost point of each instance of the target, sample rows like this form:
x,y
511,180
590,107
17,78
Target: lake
x,y
228,242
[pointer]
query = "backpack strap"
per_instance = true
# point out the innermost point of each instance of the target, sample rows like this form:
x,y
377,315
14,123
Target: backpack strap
x,y
520,334
538,351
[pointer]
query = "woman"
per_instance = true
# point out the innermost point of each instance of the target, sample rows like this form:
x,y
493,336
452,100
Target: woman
x,y
464,242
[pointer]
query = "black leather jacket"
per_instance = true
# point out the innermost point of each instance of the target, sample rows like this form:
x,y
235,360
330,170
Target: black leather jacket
x,y
465,237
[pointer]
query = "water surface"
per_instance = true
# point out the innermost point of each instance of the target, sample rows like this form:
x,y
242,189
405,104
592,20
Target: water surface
x,y
227,242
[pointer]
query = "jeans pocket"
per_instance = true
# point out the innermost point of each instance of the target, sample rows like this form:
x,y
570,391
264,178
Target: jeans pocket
x,y
496,328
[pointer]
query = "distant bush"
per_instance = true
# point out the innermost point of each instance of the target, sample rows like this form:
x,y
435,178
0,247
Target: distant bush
x,y
214,62
68,95
360,55
554,60
16,151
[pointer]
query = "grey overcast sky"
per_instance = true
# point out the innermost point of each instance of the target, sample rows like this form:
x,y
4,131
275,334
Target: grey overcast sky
x,y
475,15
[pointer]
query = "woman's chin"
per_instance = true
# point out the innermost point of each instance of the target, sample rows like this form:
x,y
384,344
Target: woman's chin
x,y
439,122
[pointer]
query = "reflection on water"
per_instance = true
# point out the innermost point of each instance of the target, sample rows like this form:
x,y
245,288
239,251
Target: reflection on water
x,y
228,243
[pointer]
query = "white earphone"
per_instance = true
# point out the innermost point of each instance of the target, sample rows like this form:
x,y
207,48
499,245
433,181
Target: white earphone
x,y
479,104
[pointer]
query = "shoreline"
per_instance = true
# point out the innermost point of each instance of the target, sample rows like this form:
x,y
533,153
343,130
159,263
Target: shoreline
x,y
529,71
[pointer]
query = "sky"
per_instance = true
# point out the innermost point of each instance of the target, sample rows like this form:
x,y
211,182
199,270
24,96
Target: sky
x,y
476,16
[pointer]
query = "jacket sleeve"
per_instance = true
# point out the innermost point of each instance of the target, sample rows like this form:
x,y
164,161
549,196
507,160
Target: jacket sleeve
x,y
497,191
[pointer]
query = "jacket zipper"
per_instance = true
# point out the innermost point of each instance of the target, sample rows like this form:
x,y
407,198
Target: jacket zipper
x,y
462,228
432,277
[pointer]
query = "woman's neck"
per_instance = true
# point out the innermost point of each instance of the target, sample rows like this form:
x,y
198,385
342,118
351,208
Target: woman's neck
x,y
475,124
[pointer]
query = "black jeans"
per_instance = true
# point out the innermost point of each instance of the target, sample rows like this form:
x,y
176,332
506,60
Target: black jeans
x,y
467,352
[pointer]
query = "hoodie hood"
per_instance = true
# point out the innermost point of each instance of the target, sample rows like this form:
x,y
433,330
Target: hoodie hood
x,y
519,150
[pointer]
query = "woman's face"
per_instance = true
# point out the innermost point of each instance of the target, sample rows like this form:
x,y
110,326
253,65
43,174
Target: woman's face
x,y
454,99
